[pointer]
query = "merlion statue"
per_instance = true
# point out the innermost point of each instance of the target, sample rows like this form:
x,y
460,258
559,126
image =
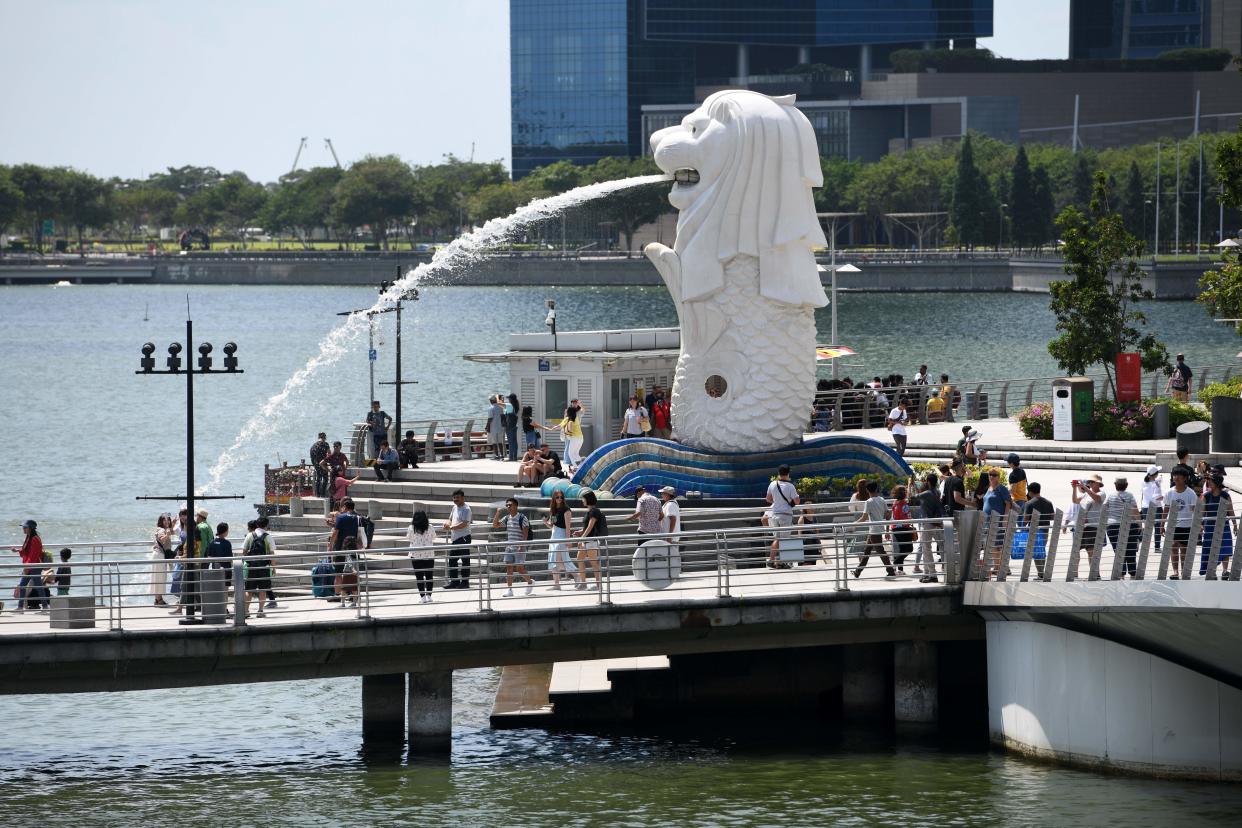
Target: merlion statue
x,y
742,270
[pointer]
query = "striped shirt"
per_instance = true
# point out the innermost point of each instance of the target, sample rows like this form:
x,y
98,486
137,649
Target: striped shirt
x,y
516,527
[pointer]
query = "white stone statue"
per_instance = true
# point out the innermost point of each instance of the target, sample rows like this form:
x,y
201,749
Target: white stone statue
x,y
742,270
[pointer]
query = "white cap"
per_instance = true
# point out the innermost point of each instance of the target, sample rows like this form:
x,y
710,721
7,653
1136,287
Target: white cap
x,y
1153,469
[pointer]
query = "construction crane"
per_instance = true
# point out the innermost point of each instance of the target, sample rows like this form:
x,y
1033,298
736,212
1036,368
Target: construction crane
x,y
327,142
298,157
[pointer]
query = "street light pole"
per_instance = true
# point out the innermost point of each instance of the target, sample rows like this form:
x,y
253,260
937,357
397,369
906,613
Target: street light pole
x,y
147,366
411,293
1000,226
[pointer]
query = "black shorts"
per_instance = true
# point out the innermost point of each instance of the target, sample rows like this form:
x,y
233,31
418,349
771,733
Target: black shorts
x,y
1182,535
1088,538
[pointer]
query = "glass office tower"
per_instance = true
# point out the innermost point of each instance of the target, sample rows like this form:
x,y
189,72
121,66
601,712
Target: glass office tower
x,y
1110,29
582,70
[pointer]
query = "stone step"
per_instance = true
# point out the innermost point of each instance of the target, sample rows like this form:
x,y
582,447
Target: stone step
x,y
1068,448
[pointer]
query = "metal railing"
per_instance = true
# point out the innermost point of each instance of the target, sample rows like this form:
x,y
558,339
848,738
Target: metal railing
x,y
853,408
299,587
439,439
1152,546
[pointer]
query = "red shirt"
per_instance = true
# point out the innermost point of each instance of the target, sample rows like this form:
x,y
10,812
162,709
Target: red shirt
x,y
901,511
32,550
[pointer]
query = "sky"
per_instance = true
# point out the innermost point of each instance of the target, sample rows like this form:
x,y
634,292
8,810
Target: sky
x,y
129,87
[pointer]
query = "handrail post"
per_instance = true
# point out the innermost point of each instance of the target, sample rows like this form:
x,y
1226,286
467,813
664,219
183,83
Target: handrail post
x,y
924,394
1149,533
838,415
1213,558
1071,573
1054,537
1030,393
364,584
467,440
948,551
1011,526
1004,400
1097,549
1166,548
429,445
1192,546
603,564
239,593
114,570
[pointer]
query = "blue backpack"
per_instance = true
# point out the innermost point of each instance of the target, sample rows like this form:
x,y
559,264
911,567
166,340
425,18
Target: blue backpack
x,y
322,578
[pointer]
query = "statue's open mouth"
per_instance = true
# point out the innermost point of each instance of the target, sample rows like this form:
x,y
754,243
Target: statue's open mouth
x,y
686,176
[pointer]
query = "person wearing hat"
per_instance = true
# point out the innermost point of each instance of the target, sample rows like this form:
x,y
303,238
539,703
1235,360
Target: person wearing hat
x,y
1091,506
1151,501
1123,509
1181,501
646,511
1217,509
670,513
30,588
974,456
1017,481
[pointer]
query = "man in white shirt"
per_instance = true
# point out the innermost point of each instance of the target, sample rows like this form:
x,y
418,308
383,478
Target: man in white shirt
x,y
670,513
875,510
897,419
1181,501
1091,504
458,527
782,497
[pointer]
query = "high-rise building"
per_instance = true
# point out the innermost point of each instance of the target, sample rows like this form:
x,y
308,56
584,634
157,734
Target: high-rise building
x,y
582,70
1112,29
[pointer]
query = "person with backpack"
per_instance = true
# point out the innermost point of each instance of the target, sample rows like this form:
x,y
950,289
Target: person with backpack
x,y
259,569
517,531
1179,380
420,537
344,536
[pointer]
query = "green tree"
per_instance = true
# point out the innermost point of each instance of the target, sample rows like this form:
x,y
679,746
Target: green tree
x,y
302,202
1095,308
138,206
42,195
238,202
1028,227
186,181
11,200
86,201
632,208
971,212
375,191
493,201
839,174
1082,183
1133,203
1045,205
1221,289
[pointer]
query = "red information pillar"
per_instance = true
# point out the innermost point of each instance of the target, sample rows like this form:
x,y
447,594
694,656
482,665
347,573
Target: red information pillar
x,y
1129,377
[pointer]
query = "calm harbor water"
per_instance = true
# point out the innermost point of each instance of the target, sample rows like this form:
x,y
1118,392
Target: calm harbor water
x,y
87,435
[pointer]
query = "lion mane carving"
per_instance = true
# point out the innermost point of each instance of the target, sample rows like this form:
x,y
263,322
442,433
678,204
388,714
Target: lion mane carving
x,y
742,270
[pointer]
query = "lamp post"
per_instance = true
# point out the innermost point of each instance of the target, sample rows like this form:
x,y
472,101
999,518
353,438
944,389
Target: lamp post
x,y
371,353
147,366
1146,202
1000,226
411,294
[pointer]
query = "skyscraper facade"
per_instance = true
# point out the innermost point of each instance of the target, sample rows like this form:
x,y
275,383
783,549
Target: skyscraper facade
x,y
582,70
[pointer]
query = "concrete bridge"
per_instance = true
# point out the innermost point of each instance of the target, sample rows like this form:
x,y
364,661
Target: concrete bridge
x,y
1140,675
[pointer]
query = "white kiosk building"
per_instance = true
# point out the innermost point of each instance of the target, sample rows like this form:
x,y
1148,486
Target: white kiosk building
x,y
601,369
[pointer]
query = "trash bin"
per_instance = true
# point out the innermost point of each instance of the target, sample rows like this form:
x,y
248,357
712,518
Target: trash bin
x,y
976,403
1073,407
1226,425
1194,437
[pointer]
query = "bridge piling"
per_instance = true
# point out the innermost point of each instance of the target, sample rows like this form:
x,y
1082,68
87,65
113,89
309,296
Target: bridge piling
x,y
383,705
864,690
430,706
916,698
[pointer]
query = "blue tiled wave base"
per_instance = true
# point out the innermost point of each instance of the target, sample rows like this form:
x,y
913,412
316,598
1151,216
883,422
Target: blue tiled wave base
x,y
621,466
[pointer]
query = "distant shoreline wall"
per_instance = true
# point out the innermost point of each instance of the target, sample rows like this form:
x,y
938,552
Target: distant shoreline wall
x,y
966,275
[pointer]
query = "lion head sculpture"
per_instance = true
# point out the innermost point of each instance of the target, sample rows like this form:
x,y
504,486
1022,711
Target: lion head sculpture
x,y
744,165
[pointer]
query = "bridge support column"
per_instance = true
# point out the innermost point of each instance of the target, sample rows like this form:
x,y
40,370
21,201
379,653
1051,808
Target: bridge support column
x,y
383,704
916,698
864,685
431,710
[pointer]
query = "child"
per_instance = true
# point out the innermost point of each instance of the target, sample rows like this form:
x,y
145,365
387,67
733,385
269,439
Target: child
x,y
64,573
